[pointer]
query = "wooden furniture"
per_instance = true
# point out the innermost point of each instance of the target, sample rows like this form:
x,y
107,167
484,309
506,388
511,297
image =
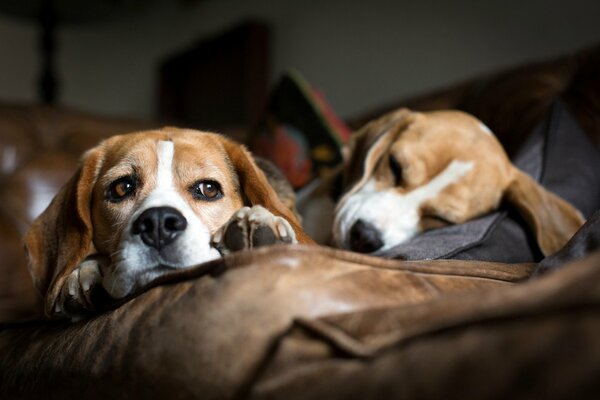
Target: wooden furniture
x,y
218,84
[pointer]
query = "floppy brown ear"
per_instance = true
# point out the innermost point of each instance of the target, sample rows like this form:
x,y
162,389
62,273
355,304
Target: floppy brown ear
x,y
61,237
552,219
369,142
257,190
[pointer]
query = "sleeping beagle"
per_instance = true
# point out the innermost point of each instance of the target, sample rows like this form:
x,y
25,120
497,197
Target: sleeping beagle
x,y
147,203
407,172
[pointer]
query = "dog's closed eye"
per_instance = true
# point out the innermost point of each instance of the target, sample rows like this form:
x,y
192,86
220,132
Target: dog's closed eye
x,y
396,169
207,190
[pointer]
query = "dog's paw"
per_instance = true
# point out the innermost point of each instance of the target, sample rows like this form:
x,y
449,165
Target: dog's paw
x,y
252,227
83,290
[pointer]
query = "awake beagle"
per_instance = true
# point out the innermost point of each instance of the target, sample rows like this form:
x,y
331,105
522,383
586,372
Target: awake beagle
x,y
407,172
147,203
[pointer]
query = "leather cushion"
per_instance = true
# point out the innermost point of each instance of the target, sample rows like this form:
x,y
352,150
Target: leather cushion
x,y
203,333
532,341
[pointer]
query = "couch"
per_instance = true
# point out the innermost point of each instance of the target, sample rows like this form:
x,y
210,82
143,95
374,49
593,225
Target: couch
x,y
311,322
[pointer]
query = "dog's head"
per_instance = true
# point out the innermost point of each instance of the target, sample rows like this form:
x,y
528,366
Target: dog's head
x,y
149,201
407,172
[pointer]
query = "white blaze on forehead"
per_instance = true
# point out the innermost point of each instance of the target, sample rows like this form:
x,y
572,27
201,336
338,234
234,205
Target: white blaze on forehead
x,y
164,192
394,215
451,174
165,150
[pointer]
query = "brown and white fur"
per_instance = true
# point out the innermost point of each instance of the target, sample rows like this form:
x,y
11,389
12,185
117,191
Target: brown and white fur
x,y
407,172
147,203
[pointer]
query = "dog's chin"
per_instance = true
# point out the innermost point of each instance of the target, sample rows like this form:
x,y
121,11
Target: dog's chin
x,y
130,275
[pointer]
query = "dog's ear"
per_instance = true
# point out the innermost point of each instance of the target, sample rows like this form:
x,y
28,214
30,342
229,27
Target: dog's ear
x,y
552,219
61,237
256,189
370,142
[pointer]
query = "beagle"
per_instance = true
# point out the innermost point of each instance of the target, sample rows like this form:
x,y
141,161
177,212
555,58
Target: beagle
x,y
143,204
408,172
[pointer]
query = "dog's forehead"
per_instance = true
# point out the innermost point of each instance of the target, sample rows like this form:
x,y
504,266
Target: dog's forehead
x,y
200,147
436,127
450,121
131,147
142,149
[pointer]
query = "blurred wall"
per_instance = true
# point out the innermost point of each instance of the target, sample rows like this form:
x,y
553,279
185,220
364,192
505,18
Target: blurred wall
x,y
18,61
360,53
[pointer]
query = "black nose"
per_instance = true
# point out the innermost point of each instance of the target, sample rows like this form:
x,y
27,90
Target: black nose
x,y
364,237
159,226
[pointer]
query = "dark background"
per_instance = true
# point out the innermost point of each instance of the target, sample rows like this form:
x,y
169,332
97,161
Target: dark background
x,y
360,54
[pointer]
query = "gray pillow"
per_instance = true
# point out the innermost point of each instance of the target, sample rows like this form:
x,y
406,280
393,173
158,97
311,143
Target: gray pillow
x,y
560,156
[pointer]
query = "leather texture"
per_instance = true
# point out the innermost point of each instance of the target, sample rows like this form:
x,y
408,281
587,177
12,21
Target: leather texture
x,y
533,341
205,332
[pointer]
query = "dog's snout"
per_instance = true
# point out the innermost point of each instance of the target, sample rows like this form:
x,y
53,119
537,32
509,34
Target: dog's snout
x,y
364,237
159,226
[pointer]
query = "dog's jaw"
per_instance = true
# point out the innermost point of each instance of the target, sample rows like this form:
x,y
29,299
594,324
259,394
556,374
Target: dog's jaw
x,y
396,216
136,264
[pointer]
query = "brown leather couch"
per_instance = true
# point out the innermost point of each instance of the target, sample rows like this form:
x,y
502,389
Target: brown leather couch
x,y
308,322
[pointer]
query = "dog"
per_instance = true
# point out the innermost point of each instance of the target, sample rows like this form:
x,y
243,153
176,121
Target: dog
x,y
407,172
147,203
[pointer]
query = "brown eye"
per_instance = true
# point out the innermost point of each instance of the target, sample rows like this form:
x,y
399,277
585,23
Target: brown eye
x,y
121,189
206,190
